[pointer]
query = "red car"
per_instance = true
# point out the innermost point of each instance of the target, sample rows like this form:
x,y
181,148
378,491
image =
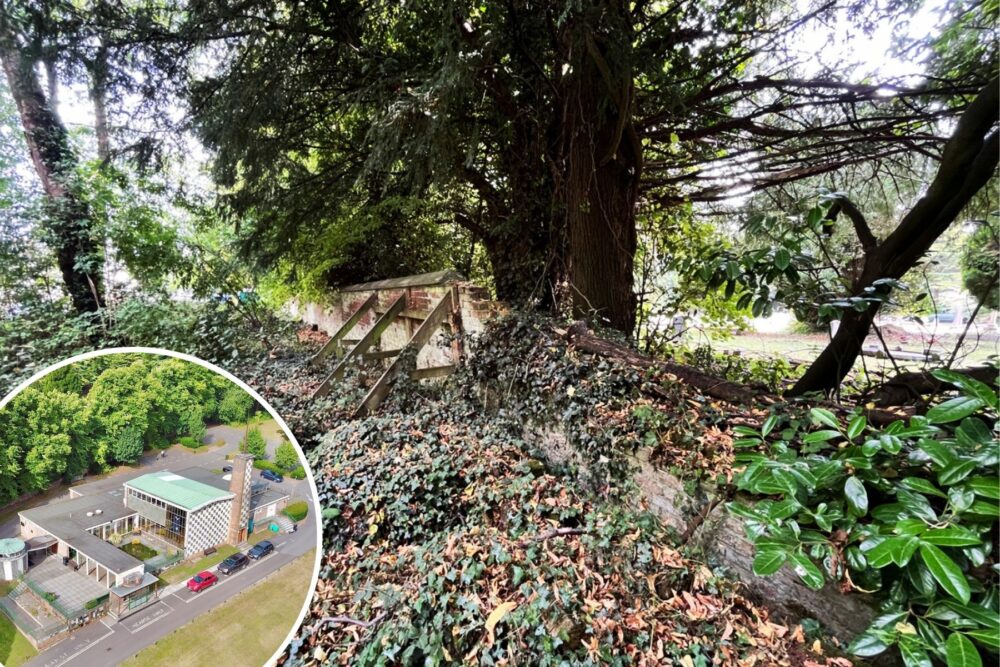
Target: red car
x,y
201,581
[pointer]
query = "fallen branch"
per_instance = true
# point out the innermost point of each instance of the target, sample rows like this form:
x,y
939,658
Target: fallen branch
x,y
582,338
347,620
912,386
549,534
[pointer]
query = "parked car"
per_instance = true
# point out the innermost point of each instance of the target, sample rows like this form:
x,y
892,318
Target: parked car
x,y
272,476
234,563
260,549
201,581
227,468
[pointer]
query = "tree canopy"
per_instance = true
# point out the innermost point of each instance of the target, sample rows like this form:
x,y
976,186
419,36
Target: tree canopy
x,y
101,412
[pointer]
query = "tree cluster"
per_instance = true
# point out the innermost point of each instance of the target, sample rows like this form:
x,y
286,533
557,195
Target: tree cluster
x,y
101,412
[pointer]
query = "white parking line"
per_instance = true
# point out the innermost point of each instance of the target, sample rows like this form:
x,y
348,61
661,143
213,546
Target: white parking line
x,y
85,648
224,578
149,623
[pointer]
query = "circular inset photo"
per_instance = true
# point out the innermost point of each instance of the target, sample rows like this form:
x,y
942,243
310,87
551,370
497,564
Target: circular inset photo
x,y
154,510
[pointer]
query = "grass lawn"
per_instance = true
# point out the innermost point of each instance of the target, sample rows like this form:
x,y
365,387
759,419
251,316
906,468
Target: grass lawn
x,y
14,647
245,630
139,550
182,572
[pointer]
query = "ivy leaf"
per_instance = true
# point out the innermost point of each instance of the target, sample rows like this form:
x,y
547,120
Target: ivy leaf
x,y
948,575
768,562
961,652
857,497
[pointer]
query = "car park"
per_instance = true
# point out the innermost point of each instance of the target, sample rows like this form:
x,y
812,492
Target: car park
x,y
201,581
234,563
272,476
261,549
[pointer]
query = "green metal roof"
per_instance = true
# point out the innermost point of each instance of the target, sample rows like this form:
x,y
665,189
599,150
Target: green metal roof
x,y
176,490
11,546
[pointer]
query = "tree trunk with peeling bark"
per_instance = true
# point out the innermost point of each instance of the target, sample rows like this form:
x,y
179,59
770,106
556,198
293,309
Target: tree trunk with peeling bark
x,y
69,221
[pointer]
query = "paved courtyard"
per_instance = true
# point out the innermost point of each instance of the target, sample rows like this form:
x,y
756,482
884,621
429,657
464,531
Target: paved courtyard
x,y
75,589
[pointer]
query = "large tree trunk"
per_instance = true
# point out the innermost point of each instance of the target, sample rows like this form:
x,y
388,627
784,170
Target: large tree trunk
x,y
968,162
69,221
603,165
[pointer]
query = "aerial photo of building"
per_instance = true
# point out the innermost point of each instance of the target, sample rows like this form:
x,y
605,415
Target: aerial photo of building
x,y
181,513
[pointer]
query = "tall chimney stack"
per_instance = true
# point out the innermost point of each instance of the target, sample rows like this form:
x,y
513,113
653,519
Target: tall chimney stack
x,y
240,486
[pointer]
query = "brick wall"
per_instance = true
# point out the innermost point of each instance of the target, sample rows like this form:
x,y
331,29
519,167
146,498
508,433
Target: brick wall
x,y
475,310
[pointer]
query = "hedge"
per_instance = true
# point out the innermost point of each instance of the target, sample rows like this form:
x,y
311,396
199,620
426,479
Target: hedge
x,y
190,442
261,464
297,511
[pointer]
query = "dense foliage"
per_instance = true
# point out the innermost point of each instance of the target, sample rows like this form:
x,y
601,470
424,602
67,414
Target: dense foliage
x,y
908,512
100,412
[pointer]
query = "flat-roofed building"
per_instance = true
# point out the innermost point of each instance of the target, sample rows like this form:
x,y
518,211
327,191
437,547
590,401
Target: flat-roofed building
x,y
186,512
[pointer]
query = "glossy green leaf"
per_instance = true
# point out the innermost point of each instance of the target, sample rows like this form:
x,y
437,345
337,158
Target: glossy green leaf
x,y
820,436
807,571
921,485
856,426
913,653
975,612
970,386
867,645
952,536
954,409
955,472
825,417
961,652
768,425
857,497
768,562
988,487
948,575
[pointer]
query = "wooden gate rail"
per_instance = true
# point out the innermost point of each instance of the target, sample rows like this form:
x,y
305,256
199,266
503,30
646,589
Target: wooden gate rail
x,y
369,339
438,316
